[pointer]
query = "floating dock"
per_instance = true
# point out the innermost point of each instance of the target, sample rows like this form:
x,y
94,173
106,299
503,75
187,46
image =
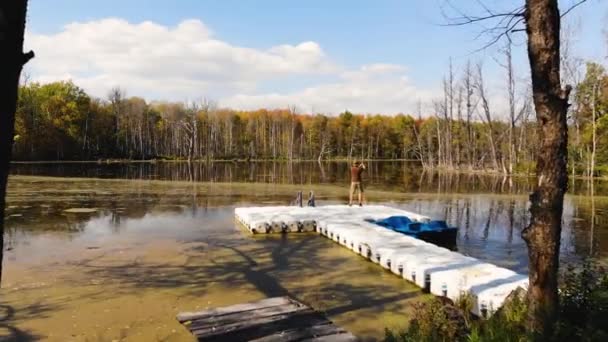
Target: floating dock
x,y
435,269
272,319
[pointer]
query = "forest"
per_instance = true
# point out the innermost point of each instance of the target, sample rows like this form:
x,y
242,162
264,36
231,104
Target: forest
x,y
60,121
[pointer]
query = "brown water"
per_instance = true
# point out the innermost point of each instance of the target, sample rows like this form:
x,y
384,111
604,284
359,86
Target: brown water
x,y
146,250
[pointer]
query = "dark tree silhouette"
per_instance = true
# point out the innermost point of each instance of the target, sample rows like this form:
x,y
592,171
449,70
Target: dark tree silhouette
x,y
12,28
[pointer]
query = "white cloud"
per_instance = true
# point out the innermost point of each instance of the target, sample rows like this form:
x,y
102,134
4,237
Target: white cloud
x,y
376,88
186,61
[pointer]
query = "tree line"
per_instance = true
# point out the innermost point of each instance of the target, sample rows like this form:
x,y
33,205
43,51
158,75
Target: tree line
x,y
60,121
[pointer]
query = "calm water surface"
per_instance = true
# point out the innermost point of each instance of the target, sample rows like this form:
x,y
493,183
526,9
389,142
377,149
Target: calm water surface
x,y
490,225
392,175
167,246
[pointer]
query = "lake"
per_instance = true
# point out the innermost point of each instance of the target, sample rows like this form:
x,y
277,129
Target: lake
x,y
98,251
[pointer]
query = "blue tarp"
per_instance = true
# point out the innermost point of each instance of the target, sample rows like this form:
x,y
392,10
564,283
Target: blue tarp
x,y
405,225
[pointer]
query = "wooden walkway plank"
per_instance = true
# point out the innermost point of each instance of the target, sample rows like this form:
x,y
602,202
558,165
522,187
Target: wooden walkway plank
x,y
248,317
275,301
326,331
272,319
260,327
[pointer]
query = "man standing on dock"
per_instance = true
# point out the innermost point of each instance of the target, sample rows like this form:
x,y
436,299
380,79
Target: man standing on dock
x,y
356,183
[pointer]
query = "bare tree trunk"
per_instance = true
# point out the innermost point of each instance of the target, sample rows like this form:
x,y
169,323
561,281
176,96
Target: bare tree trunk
x,y
440,161
450,121
512,120
429,145
578,144
292,116
426,163
320,157
468,85
446,111
487,116
594,94
523,122
459,126
12,27
551,102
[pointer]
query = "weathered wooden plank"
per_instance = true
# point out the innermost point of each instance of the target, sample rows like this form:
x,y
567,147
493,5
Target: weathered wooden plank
x,y
258,328
247,323
242,317
326,331
347,337
268,320
275,301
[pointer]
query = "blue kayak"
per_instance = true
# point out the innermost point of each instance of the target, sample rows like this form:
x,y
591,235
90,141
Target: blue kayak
x,y
437,232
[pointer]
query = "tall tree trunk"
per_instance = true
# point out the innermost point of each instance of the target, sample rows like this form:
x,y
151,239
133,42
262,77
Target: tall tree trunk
x,y
446,111
487,116
450,122
594,94
292,128
551,102
468,85
458,132
512,119
439,154
12,27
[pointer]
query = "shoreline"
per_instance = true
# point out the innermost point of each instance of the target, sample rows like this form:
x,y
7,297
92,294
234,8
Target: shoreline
x,y
438,170
235,160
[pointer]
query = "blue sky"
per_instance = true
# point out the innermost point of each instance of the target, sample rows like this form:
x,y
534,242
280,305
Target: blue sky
x,y
349,35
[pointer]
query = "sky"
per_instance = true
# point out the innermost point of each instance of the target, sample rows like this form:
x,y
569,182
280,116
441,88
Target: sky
x,y
323,56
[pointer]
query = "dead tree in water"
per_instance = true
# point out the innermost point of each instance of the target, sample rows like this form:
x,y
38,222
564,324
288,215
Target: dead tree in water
x,y
487,115
12,27
469,92
511,91
292,128
424,160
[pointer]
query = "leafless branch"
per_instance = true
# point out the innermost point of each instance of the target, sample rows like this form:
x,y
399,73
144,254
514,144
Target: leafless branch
x,y
580,2
503,23
465,19
505,31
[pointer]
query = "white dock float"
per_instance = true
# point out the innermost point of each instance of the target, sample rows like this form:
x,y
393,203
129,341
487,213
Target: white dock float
x,y
436,269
